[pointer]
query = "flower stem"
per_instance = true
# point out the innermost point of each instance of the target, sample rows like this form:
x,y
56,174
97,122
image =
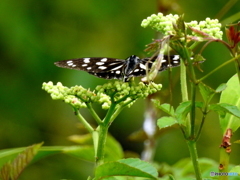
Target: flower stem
x,y
94,114
103,130
82,120
194,156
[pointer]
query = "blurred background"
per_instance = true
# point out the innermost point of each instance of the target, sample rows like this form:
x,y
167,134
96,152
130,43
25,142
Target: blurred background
x,y
35,34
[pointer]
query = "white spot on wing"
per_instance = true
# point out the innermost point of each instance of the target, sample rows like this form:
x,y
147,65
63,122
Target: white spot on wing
x,y
83,65
74,65
99,63
136,70
88,68
117,67
176,57
86,60
69,62
118,72
113,63
102,67
175,62
142,66
104,60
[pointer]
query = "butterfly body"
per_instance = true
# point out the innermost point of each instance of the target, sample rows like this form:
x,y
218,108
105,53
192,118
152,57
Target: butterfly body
x,y
112,68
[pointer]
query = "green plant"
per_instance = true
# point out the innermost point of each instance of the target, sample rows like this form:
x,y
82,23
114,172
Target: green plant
x,y
183,38
115,96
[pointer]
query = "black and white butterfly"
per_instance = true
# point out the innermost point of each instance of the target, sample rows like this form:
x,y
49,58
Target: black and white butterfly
x,y
112,68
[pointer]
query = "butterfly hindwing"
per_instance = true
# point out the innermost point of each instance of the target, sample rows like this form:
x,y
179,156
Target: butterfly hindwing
x,y
146,64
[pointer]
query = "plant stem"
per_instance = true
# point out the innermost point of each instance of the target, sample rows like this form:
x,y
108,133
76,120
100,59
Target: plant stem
x,y
191,141
184,91
82,120
217,68
224,162
201,125
183,82
103,130
93,113
193,112
193,93
194,156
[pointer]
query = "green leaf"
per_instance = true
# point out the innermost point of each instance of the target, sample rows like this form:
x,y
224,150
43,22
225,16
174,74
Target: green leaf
x,y
185,167
223,108
218,109
231,95
231,109
221,88
206,92
235,169
111,144
111,155
7,155
12,170
115,178
126,167
81,152
181,112
167,108
165,122
183,109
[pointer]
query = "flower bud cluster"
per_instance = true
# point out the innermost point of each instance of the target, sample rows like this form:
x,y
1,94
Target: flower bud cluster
x,y
60,92
212,27
164,24
118,90
160,23
112,92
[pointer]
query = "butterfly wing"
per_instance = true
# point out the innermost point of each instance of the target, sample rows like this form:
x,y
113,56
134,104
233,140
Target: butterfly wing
x,y
169,61
108,68
112,68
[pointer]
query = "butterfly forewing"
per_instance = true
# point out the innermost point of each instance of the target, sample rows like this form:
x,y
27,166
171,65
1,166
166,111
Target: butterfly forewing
x,y
92,64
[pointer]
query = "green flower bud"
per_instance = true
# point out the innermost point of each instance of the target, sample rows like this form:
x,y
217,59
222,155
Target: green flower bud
x,y
105,106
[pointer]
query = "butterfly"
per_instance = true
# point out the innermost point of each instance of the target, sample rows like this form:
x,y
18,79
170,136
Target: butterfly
x,y
112,68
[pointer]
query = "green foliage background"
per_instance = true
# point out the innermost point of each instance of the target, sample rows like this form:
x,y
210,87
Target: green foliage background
x,y
35,34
